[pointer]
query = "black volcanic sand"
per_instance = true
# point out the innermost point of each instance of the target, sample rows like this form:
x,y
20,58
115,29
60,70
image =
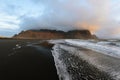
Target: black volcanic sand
x,y
27,62
80,69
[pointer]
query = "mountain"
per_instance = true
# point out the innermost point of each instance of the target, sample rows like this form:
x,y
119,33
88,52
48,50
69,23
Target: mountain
x,y
53,34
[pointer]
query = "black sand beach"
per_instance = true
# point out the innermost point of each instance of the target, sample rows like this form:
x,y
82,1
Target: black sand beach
x,y
18,61
75,67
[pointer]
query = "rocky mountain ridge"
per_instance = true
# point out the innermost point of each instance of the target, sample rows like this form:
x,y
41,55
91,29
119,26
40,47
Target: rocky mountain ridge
x,y
53,34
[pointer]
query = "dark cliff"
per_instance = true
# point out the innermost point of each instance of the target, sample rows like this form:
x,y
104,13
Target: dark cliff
x,y
53,34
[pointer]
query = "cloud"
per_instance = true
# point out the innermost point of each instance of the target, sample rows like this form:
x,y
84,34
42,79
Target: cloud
x,y
68,14
59,14
101,17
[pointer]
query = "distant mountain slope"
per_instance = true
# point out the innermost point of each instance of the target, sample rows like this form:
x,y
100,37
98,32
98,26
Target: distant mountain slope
x,y
53,34
2,37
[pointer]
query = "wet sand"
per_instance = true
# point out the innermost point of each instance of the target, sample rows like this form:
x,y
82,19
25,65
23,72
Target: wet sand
x,y
77,68
105,63
27,62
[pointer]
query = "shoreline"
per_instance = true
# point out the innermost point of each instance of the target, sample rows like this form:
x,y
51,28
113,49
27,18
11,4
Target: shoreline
x,y
75,67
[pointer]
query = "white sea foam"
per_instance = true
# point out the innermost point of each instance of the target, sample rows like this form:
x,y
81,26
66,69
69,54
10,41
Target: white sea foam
x,y
109,53
99,47
61,67
18,46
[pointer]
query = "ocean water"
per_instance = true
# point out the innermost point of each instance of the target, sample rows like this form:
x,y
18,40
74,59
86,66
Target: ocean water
x,y
87,59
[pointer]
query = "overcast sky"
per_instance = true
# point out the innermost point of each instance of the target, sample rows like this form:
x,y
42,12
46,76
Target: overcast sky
x,y
101,17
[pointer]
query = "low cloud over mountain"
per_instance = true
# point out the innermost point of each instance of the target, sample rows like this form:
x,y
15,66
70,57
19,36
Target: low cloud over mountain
x,y
100,17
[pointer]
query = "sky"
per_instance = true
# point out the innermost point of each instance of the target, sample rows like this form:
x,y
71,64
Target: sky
x,y
101,17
